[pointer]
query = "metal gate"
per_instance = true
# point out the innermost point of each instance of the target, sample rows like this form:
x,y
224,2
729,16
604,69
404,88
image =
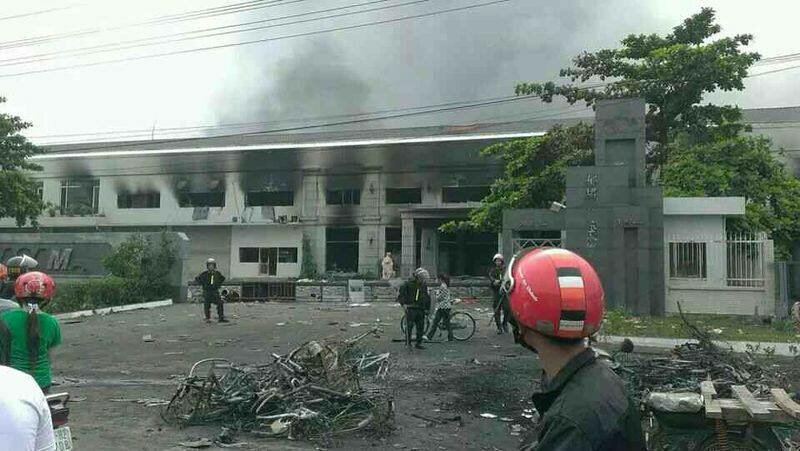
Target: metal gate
x,y
519,244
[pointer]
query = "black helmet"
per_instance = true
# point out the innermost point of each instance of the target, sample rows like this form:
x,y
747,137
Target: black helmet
x,y
20,265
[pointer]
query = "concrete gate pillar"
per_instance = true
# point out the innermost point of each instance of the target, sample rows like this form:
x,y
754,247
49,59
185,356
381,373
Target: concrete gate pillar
x,y
430,250
408,248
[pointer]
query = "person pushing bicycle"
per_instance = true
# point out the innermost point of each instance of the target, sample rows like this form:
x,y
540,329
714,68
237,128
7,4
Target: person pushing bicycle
x,y
444,308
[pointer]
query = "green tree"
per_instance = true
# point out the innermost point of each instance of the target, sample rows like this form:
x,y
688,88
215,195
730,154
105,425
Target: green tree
x,y
145,263
672,73
534,175
739,166
19,197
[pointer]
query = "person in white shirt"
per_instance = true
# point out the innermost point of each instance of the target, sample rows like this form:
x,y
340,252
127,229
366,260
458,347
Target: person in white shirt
x,y
25,423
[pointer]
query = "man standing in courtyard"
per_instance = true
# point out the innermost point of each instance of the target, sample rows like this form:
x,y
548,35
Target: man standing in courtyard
x,y
556,301
499,301
211,281
415,299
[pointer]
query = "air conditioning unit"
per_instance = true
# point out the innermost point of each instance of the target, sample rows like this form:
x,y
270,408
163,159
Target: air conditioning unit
x,y
263,268
285,215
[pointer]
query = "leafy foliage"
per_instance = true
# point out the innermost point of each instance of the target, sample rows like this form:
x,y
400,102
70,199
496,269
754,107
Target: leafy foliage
x,y
534,176
90,294
139,269
741,166
144,262
308,267
672,73
19,198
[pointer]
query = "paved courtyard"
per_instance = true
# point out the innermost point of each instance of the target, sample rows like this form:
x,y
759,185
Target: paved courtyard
x,y
104,361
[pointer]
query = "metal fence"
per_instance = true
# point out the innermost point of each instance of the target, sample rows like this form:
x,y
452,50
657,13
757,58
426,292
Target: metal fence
x,y
526,243
745,260
738,259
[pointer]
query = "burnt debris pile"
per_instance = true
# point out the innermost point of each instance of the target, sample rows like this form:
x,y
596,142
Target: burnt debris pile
x,y
318,390
699,360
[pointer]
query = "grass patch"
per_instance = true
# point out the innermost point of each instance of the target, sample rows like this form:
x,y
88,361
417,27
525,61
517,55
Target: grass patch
x,y
724,327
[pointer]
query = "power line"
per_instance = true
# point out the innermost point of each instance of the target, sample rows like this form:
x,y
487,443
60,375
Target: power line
x,y
783,69
257,41
36,13
186,36
304,119
158,20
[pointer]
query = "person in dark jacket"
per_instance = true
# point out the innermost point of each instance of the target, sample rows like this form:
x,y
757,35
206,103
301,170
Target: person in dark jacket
x,y
211,280
15,267
499,301
556,301
414,297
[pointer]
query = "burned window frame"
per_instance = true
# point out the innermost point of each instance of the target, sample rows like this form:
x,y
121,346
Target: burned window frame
x,y
185,199
345,196
74,184
450,194
403,196
283,198
127,200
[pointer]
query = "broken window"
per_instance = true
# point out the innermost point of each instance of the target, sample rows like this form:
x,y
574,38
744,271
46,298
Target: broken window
x,y
462,194
287,255
204,199
343,196
403,195
341,249
248,255
80,197
139,200
269,198
687,260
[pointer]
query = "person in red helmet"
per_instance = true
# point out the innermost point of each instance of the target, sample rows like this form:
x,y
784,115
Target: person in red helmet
x,y
556,301
27,335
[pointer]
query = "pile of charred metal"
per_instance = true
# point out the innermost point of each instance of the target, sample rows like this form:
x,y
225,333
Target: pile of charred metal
x,y
695,361
318,390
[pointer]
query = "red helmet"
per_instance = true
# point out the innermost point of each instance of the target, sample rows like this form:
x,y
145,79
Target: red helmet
x,y
3,272
555,292
34,284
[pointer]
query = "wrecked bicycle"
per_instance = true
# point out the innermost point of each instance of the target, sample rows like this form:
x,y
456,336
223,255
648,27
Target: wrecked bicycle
x,y
462,325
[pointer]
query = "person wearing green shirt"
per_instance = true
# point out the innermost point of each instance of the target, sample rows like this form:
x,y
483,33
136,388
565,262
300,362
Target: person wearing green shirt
x,y
27,335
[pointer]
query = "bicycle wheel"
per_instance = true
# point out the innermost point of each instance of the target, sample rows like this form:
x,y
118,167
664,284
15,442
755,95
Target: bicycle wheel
x,y
463,326
403,325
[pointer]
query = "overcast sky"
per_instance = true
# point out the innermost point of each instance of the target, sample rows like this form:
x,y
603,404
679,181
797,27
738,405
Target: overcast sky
x,y
471,54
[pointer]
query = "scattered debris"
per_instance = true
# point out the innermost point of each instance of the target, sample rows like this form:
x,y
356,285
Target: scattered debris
x,y
358,305
490,416
280,324
174,353
148,338
320,388
77,399
147,402
506,419
445,420
516,429
693,362
196,444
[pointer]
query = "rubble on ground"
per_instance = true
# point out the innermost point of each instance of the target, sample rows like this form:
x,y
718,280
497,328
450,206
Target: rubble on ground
x,y
319,389
696,361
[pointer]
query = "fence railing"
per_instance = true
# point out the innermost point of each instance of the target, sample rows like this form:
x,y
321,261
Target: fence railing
x,y
526,243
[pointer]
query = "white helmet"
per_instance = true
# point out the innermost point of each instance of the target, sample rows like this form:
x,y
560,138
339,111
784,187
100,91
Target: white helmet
x,y
422,273
211,261
498,255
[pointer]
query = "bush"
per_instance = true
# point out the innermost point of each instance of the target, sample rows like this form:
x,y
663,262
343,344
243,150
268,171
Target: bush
x,y
139,269
90,294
